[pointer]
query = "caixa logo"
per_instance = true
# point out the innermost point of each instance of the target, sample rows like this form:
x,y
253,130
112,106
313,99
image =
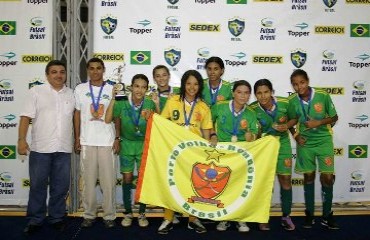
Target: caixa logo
x,y
362,122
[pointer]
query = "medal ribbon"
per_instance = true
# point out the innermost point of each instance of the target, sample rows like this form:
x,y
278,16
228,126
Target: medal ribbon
x,y
214,95
136,118
187,119
236,120
272,113
306,114
96,104
160,94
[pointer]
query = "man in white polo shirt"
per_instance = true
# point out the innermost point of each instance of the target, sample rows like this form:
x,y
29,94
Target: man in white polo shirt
x,y
97,143
50,107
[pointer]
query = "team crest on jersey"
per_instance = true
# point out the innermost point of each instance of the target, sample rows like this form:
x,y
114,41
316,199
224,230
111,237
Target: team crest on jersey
x,y
318,107
298,58
172,56
288,163
328,161
283,119
209,181
236,26
108,24
243,124
173,2
330,3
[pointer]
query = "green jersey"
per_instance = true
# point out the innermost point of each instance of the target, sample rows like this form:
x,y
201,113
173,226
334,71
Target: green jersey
x,y
319,106
279,115
133,125
228,123
222,93
163,96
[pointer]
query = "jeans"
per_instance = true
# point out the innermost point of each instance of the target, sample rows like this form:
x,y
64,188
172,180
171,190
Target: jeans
x,y
53,169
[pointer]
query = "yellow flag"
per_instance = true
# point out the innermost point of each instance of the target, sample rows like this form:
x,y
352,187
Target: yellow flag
x,y
182,172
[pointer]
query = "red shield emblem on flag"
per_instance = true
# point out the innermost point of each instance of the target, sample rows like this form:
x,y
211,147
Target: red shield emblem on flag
x,y
209,181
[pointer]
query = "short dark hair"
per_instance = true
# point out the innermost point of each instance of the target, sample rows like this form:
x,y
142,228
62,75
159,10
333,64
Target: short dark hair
x,y
241,83
217,60
95,59
263,82
54,63
299,72
160,67
140,76
185,77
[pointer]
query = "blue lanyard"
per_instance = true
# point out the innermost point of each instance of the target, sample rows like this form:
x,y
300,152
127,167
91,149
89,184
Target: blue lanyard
x,y
160,94
96,104
236,120
135,119
214,96
306,114
272,113
187,119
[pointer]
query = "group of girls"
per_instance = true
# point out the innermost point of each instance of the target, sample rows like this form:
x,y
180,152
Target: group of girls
x,y
219,111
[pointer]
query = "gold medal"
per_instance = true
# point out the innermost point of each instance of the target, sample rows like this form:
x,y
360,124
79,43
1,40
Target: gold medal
x,y
95,114
234,138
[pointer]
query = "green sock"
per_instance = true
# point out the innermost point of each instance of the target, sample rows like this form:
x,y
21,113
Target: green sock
x,y
126,191
309,197
142,207
327,199
286,201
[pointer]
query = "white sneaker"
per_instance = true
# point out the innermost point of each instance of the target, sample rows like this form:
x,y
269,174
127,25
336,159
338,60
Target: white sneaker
x,y
197,226
223,226
175,220
242,227
143,222
127,220
165,227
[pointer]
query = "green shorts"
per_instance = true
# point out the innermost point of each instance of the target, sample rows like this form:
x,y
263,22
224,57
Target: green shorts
x,y
284,162
130,154
323,151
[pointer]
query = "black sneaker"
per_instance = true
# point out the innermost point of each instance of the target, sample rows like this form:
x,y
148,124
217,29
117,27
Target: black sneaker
x,y
59,225
31,229
165,227
309,220
329,222
197,226
109,223
87,223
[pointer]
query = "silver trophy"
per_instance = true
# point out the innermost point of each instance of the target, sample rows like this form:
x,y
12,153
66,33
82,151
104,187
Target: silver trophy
x,y
120,86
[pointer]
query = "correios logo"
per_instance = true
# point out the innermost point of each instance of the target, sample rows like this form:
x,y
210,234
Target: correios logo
x,y
210,178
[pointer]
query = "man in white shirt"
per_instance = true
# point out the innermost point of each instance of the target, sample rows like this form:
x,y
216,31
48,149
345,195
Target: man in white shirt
x,y
97,144
50,107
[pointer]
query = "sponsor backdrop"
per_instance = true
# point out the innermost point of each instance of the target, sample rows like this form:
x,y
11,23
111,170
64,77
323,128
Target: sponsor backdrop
x,y
26,47
255,38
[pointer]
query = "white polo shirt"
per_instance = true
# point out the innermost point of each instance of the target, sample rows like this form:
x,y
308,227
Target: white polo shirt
x,y
51,112
94,132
